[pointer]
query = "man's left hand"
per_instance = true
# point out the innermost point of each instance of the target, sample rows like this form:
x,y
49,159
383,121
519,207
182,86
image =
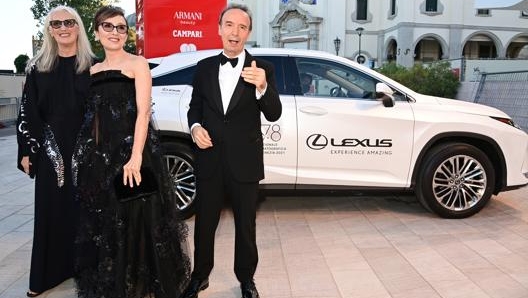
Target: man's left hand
x,y
255,76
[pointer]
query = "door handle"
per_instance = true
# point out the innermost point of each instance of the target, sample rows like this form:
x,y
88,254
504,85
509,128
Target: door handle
x,y
316,111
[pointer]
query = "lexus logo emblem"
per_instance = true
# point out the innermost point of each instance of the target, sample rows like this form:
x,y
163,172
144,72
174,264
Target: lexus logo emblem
x,y
317,141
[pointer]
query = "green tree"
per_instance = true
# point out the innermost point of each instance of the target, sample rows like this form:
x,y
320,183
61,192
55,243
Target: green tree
x,y
21,62
86,9
436,79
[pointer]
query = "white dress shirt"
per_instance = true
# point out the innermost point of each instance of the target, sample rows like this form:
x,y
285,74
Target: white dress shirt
x,y
228,77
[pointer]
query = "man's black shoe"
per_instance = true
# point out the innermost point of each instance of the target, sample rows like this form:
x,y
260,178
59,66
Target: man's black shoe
x,y
249,290
195,286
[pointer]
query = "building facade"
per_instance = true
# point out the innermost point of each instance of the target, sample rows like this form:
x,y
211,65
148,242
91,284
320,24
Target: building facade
x,y
377,31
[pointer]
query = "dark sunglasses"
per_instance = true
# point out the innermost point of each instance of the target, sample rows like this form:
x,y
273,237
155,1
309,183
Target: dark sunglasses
x,y
56,24
109,27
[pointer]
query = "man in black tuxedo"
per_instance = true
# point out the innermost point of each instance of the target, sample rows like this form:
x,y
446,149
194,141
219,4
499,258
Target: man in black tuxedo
x,y
224,119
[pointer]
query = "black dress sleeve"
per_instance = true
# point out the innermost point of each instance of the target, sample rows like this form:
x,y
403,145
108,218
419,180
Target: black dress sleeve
x,y
29,124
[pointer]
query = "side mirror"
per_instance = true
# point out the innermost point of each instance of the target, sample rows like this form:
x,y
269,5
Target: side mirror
x,y
384,93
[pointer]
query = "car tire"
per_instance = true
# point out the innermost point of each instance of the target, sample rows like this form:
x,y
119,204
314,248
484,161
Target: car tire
x,y
179,159
456,180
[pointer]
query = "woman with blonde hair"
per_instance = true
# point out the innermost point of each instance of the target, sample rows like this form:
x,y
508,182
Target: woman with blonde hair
x,y
48,122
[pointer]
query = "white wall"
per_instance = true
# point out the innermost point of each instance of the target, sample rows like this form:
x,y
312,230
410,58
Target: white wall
x,y
11,85
456,23
475,67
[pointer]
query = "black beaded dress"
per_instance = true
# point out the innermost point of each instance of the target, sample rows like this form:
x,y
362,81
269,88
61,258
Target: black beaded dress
x,y
126,249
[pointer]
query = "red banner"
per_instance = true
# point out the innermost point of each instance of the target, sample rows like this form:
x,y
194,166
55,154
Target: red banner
x,y
165,27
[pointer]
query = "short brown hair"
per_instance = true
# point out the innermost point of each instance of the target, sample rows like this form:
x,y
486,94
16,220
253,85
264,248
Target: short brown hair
x,y
106,12
242,7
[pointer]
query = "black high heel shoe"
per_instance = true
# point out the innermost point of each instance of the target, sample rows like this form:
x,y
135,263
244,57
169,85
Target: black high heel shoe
x,y
32,294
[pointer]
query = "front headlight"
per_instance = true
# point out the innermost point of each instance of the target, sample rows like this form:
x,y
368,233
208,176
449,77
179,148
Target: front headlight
x,y
507,121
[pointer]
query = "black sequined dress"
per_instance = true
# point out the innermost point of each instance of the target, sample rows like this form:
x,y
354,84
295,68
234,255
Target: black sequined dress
x,y
132,249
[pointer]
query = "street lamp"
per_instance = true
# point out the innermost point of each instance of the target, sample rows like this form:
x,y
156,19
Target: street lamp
x,y
337,44
359,30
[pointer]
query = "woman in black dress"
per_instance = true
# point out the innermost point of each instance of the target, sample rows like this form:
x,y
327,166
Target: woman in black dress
x,y
49,119
133,248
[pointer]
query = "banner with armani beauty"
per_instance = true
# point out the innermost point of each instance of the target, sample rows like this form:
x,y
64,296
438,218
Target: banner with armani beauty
x,y
165,27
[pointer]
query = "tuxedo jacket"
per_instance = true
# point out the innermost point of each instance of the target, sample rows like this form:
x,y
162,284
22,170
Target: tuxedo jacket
x,y
236,135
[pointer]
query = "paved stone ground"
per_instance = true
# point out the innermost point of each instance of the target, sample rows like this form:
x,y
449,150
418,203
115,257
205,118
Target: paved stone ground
x,y
326,246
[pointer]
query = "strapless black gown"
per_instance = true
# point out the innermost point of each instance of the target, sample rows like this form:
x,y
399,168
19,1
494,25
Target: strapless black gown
x,y
131,249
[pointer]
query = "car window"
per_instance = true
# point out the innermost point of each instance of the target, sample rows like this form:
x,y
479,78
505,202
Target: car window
x,y
398,96
180,77
278,63
329,79
153,65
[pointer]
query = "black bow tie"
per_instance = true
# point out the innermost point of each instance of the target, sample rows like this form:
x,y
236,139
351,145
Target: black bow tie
x,y
224,60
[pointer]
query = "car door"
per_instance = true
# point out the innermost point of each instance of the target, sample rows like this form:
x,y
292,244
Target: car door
x,y
280,137
171,93
345,135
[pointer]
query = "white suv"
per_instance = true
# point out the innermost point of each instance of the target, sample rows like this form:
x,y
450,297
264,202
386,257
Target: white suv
x,y
352,128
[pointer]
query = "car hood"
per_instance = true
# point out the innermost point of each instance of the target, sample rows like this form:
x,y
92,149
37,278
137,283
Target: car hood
x,y
461,106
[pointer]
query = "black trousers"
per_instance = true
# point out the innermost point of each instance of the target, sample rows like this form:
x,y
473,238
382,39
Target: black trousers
x,y
210,194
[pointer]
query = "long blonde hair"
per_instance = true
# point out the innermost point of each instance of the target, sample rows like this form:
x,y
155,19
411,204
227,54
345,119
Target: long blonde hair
x,y
47,56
